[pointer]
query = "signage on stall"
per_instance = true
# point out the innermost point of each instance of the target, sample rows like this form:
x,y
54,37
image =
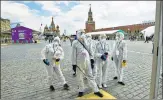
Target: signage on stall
x,y
21,30
21,36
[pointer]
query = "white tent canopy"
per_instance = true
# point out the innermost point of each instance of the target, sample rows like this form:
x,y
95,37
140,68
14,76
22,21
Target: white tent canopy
x,y
103,32
148,31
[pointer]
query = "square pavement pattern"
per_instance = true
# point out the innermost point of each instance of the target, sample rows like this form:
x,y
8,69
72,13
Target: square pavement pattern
x,y
23,74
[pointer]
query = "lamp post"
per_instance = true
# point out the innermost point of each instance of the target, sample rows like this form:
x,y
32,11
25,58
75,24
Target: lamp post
x,y
156,64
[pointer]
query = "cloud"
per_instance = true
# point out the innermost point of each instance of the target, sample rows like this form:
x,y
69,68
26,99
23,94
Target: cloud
x,y
64,2
49,6
52,6
105,13
26,1
115,13
13,10
18,12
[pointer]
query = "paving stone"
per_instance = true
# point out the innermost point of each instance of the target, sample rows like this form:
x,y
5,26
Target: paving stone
x,y
141,95
136,97
129,95
23,74
146,97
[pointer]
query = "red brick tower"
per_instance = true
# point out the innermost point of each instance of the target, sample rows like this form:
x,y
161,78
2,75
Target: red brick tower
x,y
90,24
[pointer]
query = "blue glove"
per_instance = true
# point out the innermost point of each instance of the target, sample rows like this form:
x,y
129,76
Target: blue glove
x,y
104,57
46,62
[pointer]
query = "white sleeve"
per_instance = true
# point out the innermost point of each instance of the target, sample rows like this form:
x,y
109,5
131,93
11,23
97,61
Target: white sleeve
x,y
74,52
124,51
97,54
62,53
108,48
44,52
91,51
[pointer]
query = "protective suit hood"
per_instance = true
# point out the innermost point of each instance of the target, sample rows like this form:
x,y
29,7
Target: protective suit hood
x,y
57,39
55,44
79,33
119,35
88,37
83,39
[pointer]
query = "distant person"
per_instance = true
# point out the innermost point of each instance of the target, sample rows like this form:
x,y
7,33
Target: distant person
x,y
141,37
71,40
5,40
49,39
52,39
146,40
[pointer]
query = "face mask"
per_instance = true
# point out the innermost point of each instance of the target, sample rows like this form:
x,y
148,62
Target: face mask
x,y
56,44
89,39
117,38
81,39
103,39
56,41
79,34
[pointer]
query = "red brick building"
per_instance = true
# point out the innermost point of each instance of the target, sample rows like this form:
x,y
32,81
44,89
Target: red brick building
x,y
130,29
90,24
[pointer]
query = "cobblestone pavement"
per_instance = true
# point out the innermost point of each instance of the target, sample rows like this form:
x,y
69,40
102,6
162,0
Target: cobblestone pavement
x,y
23,75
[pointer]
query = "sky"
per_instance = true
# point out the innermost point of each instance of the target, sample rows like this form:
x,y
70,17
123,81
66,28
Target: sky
x,y
72,15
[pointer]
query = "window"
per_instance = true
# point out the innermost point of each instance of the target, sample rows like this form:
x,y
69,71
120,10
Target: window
x,y
21,35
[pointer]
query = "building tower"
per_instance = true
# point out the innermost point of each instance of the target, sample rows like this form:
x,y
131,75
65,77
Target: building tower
x,y
52,30
46,29
57,31
90,24
52,24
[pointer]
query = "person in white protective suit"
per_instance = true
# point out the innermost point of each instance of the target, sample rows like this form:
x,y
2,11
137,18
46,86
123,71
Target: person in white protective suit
x,y
103,58
52,54
81,59
91,49
120,56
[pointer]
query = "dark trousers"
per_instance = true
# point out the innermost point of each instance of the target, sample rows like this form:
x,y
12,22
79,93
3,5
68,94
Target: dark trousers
x,y
147,39
74,68
50,41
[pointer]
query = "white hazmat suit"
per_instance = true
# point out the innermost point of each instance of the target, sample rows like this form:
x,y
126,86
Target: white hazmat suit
x,y
91,49
81,59
119,56
103,57
52,54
